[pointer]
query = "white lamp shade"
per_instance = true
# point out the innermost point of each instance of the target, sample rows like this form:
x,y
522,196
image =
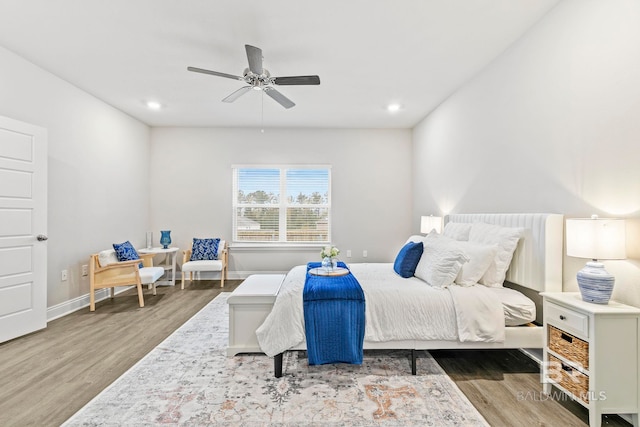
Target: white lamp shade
x,y
428,223
596,238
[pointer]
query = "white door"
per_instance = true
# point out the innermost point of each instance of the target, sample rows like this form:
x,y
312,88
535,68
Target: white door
x,y
23,228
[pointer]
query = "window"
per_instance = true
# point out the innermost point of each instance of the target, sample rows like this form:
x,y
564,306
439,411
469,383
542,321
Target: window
x,y
287,204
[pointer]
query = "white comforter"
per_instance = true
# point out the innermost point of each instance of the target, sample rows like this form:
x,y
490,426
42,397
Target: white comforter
x,y
396,309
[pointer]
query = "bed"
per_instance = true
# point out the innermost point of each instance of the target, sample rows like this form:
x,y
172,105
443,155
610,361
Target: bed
x,y
396,312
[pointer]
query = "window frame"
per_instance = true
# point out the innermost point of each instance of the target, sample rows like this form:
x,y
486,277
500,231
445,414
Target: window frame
x,y
283,205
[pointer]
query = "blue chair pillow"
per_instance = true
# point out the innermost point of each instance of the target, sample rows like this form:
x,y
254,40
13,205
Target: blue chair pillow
x,y
204,249
408,258
126,252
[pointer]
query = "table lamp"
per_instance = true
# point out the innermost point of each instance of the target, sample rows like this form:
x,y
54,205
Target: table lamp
x,y
428,223
598,239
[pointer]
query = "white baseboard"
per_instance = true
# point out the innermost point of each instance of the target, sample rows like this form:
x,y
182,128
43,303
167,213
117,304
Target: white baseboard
x,y
244,274
68,307
232,275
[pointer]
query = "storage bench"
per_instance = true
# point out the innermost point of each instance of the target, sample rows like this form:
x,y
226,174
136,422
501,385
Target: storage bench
x,y
249,305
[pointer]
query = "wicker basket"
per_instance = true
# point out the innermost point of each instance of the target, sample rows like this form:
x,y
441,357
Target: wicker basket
x,y
571,348
572,380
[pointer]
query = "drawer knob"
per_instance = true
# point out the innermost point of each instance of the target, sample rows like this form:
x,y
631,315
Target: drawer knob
x,y
562,317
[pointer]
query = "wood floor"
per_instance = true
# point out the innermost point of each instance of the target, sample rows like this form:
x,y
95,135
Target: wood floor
x,y
49,375
45,377
504,386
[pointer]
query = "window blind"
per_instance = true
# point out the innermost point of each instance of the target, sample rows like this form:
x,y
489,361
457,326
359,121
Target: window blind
x,y
288,204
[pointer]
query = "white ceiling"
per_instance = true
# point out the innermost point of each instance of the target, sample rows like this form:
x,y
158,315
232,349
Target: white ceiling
x,y
368,53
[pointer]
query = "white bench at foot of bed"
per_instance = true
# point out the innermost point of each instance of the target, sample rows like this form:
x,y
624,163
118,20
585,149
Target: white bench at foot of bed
x,y
249,305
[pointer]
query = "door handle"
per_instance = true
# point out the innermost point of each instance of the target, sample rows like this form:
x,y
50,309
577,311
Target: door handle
x,y
41,237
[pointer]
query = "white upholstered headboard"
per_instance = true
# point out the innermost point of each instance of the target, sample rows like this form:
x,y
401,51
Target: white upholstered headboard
x,y
537,261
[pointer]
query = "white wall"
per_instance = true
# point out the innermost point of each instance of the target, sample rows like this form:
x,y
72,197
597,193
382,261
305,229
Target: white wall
x,y
371,187
98,170
552,125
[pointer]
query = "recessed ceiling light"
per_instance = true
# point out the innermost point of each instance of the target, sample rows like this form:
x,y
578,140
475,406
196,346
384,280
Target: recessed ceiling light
x,y
392,108
154,105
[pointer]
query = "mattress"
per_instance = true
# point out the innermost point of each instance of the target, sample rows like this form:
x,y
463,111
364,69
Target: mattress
x,y
518,308
403,309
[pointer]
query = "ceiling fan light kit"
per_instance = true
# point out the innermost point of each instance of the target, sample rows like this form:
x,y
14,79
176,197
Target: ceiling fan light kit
x,y
259,78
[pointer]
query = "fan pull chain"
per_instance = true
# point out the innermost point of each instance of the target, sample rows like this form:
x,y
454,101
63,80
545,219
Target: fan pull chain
x,y
262,112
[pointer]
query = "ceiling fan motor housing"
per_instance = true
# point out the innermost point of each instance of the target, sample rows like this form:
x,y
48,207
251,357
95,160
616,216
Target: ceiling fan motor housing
x,y
257,80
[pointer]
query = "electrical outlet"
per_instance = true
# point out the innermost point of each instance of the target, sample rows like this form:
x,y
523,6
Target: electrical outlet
x,y
63,276
364,253
85,270
348,253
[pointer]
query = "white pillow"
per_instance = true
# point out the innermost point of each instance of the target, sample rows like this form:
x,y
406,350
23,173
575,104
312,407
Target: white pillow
x,y
506,238
457,230
440,262
416,238
480,258
107,257
220,248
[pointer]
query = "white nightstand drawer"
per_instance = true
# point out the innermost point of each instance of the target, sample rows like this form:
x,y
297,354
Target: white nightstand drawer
x,y
567,319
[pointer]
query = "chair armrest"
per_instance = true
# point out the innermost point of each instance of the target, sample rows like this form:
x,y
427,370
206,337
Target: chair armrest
x,y
147,260
186,256
115,274
223,256
133,264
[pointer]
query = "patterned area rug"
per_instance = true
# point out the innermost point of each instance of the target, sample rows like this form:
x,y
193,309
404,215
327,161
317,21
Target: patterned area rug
x,y
188,380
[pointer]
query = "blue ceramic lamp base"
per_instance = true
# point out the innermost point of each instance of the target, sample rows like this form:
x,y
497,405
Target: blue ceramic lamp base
x,y
595,283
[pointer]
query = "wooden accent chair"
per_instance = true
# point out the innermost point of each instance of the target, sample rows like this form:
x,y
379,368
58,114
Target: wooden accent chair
x,y
219,264
105,271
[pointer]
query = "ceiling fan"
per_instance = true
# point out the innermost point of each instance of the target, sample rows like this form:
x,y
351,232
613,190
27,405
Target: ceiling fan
x,y
258,78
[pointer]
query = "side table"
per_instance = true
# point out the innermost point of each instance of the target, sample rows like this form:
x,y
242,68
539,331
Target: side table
x,y
592,353
169,262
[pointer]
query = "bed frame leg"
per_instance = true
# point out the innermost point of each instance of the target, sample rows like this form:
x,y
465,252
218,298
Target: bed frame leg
x,y
277,365
413,361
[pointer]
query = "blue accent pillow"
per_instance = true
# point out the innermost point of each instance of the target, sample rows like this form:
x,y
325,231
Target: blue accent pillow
x,y
126,252
408,258
204,249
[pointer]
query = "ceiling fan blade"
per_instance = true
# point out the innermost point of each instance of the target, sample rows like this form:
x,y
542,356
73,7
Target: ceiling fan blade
x,y
254,55
297,80
279,98
215,73
237,94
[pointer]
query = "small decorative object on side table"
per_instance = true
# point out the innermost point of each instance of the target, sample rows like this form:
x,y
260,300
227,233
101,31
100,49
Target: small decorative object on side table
x,y
165,238
591,353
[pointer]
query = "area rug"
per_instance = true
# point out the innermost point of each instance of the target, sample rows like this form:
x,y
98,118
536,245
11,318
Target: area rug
x,y
189,381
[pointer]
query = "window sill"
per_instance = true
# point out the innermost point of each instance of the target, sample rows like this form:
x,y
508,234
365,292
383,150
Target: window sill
x,y
242,246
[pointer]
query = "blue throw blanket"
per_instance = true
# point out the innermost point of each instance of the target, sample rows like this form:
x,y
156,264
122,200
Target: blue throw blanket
x,y
333,318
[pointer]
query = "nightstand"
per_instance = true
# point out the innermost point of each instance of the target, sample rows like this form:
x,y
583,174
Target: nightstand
x,y
591,353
